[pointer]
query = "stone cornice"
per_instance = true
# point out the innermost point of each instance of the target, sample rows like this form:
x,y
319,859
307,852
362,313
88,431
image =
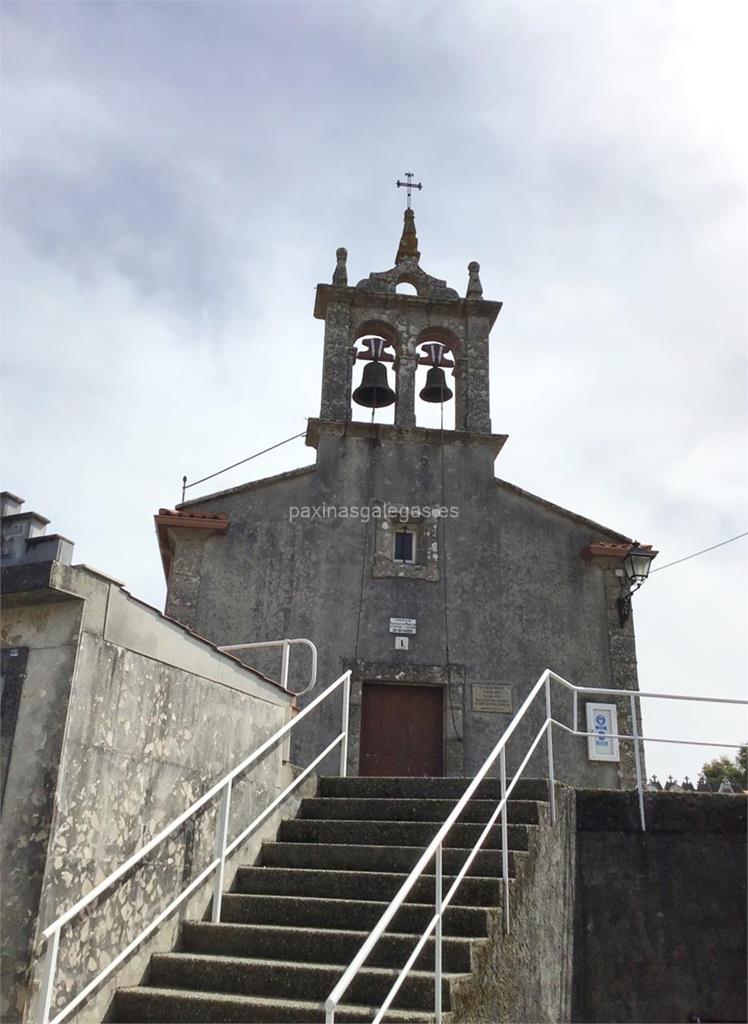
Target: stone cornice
x,y
388,432
348,296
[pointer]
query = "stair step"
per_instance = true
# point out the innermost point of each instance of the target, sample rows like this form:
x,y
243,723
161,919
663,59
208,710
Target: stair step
x,y
280,942
147,1004
395,833
308,982
297,918
413,809
330,856
348,915
436,788
359,885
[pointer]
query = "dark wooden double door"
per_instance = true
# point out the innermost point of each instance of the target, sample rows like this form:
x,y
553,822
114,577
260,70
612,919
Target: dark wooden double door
x,y
401,730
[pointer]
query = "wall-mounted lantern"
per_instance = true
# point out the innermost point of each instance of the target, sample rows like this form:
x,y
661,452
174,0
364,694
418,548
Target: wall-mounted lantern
x,y
634,571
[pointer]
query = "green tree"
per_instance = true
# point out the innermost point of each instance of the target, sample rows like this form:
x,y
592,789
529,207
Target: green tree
x,y
736,772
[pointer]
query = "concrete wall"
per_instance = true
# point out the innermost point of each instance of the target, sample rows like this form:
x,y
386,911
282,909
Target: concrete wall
x,y
660,929
520,596
609,923
124,720
47,635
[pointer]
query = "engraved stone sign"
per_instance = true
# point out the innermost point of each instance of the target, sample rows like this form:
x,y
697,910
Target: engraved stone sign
x,y
492,699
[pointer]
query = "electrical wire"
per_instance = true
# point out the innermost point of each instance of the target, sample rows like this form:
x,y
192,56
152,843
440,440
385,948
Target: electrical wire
x,y
365,542
186,486
444,574
697,553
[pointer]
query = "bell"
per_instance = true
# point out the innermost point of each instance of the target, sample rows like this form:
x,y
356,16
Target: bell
x,y
436,389
374,392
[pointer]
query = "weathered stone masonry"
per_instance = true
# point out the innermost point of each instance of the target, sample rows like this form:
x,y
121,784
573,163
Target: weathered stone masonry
x,y
519,595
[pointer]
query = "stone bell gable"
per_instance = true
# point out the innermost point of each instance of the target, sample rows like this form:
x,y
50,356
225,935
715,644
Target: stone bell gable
x,y
435,313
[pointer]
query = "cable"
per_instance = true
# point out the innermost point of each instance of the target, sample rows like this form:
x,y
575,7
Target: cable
x,y
444,562
697,553
186,486
364,544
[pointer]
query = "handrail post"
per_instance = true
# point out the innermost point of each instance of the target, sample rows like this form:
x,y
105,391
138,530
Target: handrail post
x,y
637,760
434,850
438,938
344,725
222,830
284,664
504,840
549,727
48,976
575,706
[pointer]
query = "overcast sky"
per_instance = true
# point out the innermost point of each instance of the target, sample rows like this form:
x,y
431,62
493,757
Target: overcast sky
x,y
177,177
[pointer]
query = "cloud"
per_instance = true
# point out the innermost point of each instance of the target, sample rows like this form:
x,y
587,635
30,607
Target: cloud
x,y
178,177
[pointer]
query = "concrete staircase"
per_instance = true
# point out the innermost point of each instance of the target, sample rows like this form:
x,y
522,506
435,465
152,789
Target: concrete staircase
x,y
291,924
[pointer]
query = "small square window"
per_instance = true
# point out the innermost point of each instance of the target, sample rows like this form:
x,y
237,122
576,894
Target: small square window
x,y
405,546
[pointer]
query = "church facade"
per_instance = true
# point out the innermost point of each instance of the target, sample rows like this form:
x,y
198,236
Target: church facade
x,y
398,552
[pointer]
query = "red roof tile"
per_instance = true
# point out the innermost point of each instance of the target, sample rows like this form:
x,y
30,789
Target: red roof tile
x,y
175,513
169,518
603,549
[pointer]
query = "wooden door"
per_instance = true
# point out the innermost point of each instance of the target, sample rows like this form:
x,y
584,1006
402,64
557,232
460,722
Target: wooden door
x,y
401,730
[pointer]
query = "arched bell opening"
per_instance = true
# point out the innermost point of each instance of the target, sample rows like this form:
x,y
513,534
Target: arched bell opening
x,y
405,288
447,337
374,388
435,385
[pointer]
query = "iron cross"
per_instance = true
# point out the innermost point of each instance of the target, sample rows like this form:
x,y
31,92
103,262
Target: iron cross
x,y
409,184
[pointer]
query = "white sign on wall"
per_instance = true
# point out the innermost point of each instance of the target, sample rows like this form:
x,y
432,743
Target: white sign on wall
x,y
406,626
602,723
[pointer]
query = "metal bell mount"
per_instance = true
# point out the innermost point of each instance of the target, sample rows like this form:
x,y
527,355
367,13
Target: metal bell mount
x,y
374,391
436,389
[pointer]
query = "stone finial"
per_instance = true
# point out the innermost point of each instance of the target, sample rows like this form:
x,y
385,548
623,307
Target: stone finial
x,y
408,248
474,288
340,275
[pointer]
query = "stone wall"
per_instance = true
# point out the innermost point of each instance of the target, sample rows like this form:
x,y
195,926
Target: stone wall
x,y
501,582
525,974
124,720
519,595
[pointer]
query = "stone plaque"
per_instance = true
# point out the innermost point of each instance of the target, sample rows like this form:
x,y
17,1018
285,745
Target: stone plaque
x,y
492,699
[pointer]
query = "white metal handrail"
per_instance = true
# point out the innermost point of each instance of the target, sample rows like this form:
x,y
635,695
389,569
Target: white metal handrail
x,y
286,645
223,848
434,850
633,696
430,852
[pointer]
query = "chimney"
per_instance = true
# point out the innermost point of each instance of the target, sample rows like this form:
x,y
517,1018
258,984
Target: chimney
x,y
24,539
